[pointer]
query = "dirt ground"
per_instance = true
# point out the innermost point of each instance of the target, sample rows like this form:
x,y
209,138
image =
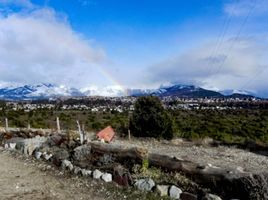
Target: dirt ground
x,y
22,180
224,157
25,178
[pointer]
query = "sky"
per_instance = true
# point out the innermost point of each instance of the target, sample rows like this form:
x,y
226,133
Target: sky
x,y
215,44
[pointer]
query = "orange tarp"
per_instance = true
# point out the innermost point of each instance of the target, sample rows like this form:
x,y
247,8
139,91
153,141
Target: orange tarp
x,y
106,134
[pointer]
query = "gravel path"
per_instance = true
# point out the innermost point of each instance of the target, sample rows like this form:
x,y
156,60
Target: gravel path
x,y
221,156
22,180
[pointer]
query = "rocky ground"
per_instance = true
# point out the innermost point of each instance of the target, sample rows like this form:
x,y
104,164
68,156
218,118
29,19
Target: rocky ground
x,y
221,156
24,178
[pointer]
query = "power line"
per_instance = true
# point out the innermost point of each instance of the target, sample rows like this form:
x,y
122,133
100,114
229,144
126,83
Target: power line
x,y
237,36
220,38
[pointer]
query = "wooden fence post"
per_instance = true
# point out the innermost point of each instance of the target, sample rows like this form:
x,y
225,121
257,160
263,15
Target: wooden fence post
x,y
80,133
6,120
58,124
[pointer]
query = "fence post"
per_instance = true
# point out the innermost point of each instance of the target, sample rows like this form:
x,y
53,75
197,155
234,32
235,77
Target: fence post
x,y
58,125
80,133
6,120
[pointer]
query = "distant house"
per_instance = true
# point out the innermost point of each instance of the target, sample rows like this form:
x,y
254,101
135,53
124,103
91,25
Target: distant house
x,y
106,134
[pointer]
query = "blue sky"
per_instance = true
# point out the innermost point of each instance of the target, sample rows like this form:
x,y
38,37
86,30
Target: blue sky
x,y
217,44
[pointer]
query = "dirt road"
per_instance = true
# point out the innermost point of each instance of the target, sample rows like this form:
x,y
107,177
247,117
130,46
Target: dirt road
x,y
24,180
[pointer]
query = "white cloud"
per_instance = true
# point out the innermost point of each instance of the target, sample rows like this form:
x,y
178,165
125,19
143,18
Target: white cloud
x,y
38,46
21,3
244,7
238,64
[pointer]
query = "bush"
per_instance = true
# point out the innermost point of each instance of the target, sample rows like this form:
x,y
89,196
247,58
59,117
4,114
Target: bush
x,y
150,119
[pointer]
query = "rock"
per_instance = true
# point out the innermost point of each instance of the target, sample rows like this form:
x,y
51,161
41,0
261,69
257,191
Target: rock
x,y
177,141
86,172
211,197
97,174
56,139
106,159
162,190
207,141
29,145
59,154
77,170
122,176
240,169
47,156
66,164
12,146
188,196
82,155
107,177
146,184
37,155
175,192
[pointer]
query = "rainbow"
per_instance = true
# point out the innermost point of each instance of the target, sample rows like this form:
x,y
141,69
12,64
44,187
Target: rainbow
x,y
110,77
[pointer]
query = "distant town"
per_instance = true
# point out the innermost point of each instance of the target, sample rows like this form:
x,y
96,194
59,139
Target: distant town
x,y
123,104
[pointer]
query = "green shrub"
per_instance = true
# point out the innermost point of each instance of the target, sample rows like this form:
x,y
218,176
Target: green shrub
x,y
150,119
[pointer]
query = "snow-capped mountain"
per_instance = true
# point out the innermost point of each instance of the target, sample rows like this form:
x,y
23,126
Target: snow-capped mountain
x,y
42,91
186,91
37,91
104,91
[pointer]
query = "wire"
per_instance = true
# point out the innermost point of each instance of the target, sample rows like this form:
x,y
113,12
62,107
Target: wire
x,y
220,38
237,37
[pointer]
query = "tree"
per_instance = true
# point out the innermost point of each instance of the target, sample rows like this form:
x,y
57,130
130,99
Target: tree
x,y
150,119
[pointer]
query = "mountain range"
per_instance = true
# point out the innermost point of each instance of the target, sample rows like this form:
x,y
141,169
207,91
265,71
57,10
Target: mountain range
x,y
43,91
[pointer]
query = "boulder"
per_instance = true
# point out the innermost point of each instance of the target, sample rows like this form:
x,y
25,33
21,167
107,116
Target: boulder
x,y
105,159
82,155
107,177
211,197
47,156
146,184
188,196
97,174
86,172
12,146
162,190
77,170
66,164
28,146
59,154
37,155
56,139
175,192
122,176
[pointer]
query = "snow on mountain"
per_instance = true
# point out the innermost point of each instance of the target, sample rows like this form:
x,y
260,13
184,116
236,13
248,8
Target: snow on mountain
x,y
230,92
49,90
109,91
37,91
